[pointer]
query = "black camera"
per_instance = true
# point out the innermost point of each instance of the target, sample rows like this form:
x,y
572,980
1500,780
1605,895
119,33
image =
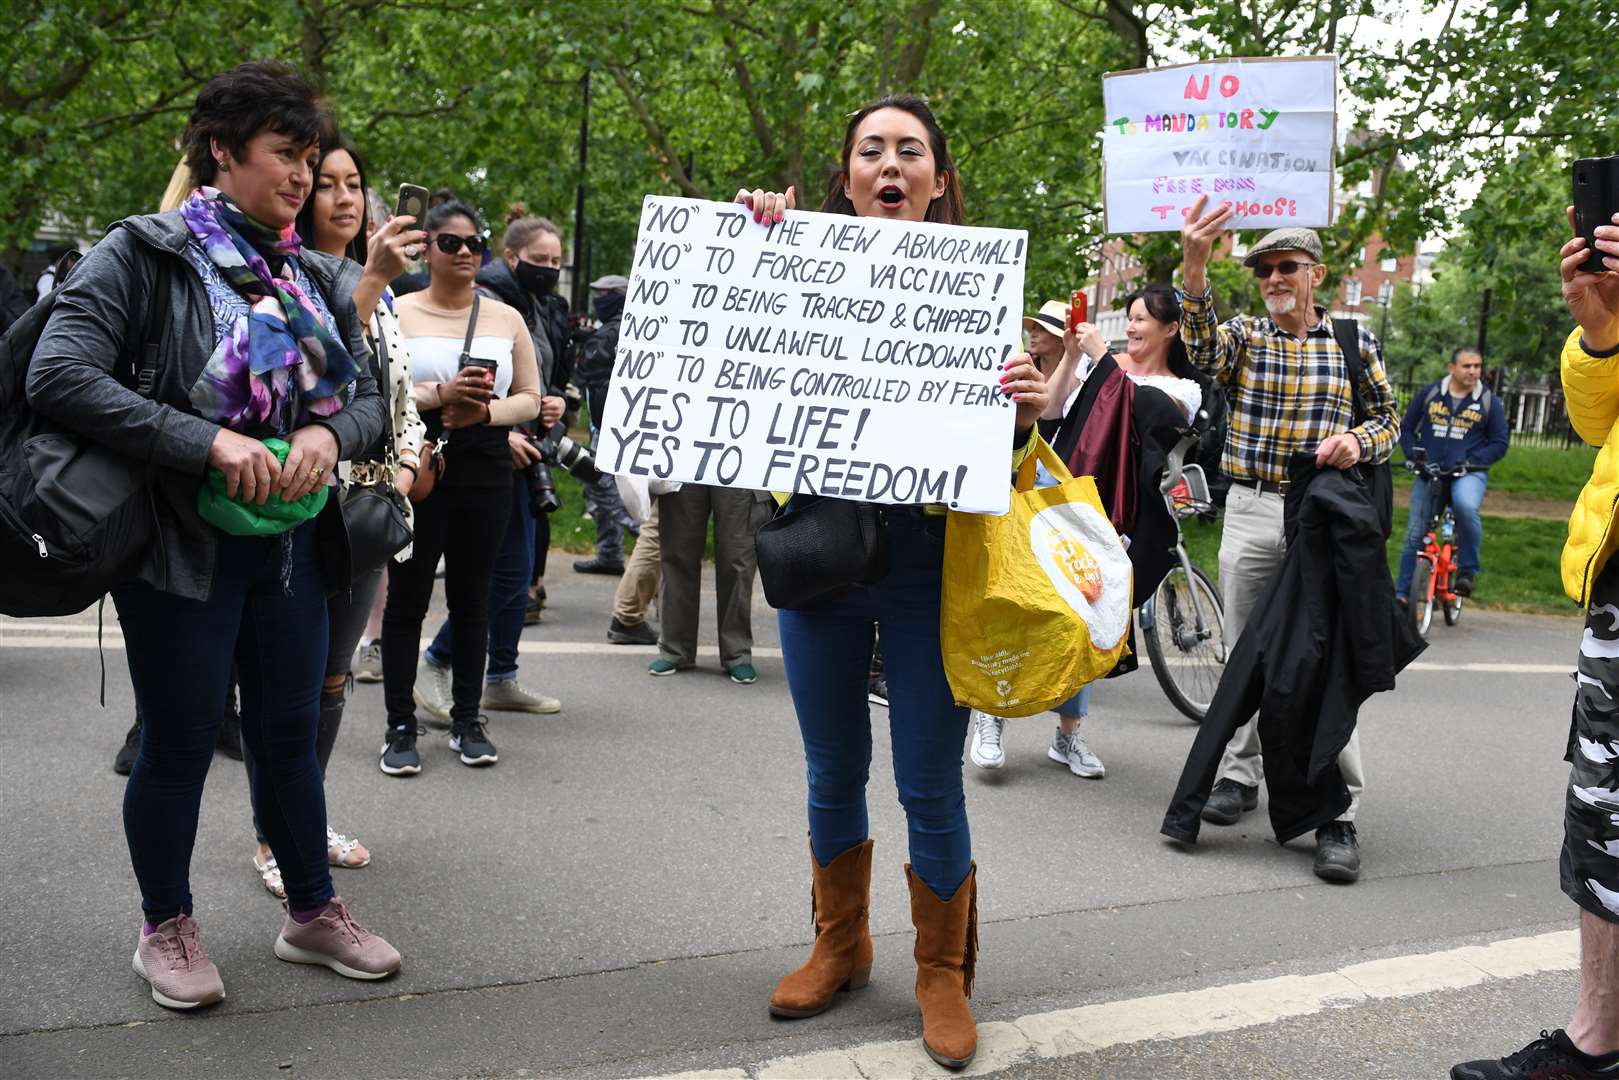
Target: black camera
x,y
542,490
557,449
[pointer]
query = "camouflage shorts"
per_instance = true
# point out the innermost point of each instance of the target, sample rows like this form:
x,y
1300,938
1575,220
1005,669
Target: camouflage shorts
x,y
1590,863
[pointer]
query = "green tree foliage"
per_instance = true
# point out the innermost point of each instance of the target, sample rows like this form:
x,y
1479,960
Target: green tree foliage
x,y
701,97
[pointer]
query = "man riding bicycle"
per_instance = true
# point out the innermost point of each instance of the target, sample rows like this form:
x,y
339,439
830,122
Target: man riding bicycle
x,y
1455,422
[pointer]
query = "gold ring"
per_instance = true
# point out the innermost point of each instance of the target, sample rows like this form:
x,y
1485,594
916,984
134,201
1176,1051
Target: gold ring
x,y
316,472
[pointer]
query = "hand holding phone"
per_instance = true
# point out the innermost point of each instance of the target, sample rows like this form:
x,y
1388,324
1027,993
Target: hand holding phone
x,y
1076,308
1596,201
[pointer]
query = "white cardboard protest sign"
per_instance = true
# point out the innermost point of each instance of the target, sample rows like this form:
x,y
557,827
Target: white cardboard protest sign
x,y
1258,131
852,357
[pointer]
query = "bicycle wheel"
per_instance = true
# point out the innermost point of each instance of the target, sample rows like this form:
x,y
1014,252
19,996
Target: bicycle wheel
x,y
1421,598
1453,611
1186,644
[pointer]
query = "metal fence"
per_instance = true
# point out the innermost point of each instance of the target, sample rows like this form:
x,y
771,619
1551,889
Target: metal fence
x,y
1536,415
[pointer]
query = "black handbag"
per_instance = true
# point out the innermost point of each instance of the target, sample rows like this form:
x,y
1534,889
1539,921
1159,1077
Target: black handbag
x,y
820,547
374,512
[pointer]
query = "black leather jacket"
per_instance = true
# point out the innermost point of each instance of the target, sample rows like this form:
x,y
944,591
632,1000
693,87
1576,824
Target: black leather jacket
x,y
70,380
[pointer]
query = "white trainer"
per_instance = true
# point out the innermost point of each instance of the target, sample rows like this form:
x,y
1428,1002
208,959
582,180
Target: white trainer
x,y
1074,752
367,664
433,691
986,750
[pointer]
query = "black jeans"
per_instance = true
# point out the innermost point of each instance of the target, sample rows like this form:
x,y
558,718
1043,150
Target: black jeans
x,y
180,655
466,523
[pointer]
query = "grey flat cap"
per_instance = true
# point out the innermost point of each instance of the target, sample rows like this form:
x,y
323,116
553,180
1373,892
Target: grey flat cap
x,y
619,281
1295,238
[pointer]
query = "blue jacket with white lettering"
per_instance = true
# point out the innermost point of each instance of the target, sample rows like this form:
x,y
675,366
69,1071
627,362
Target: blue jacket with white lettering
x,y
1475,434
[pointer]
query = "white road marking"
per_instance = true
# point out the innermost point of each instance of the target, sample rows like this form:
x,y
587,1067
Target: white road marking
x,y
1069,1032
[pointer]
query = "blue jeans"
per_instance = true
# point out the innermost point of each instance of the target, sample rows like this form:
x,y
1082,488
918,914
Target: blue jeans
x,y
1077,706
827,652
1466,496
508,594
180,654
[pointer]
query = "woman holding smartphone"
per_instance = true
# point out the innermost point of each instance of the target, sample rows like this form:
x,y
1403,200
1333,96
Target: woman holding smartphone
x,y
894,165
476,377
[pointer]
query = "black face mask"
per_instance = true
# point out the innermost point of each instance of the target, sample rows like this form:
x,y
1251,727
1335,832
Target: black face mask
x,y
607,305
539,280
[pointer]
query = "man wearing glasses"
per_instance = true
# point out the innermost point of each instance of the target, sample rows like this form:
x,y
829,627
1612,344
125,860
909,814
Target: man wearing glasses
x,y
1290,390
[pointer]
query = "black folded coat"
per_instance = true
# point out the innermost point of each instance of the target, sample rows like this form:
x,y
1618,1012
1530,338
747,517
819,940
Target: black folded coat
x,y
1325,635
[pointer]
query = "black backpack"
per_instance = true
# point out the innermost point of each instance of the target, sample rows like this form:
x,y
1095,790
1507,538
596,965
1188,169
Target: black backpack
x,y
76,517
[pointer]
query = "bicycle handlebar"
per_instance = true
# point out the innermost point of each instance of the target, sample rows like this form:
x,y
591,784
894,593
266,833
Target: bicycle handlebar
x,y
1433,472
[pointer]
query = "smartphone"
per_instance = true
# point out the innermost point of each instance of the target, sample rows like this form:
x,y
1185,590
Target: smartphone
x,y
1076,308
413,201
1596,200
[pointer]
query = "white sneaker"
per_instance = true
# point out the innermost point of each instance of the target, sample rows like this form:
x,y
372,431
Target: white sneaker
x,y
509,695
367,663
433,692
1074,752
986,751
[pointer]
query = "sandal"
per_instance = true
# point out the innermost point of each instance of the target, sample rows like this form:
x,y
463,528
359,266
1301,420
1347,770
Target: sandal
x,y
341,851
270,874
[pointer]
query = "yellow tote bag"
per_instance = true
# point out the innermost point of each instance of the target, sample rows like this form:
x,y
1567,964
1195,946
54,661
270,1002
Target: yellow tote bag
x,y
1037,601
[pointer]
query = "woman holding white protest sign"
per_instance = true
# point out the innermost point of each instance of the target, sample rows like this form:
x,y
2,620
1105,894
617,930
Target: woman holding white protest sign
x,y
894,165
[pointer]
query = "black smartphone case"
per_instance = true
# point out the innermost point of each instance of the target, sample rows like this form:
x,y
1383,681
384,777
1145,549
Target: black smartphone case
x,y
1596,201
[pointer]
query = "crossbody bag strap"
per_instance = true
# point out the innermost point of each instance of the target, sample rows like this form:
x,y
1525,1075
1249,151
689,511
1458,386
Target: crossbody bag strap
x,y
390,448
472,326
1347,333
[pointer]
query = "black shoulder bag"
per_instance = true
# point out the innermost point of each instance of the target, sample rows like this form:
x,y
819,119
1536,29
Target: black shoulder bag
x,y
374,511
819,547
1379,477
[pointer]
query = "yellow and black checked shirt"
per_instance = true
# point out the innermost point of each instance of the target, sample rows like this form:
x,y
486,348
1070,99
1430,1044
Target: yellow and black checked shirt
x,y
1287,395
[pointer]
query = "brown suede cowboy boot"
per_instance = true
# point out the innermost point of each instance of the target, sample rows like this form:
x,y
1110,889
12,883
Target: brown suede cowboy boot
x,y
841,959
946,956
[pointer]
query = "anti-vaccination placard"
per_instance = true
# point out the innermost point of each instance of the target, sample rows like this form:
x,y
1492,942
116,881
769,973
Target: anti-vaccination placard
x,y
850,357
1256,131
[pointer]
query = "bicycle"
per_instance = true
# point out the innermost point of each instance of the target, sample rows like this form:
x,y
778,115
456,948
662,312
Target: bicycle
x,y
1433,578
1183,621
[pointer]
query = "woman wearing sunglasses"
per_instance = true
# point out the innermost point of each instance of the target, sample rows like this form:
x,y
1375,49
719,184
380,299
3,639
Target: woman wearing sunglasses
x,y
476,377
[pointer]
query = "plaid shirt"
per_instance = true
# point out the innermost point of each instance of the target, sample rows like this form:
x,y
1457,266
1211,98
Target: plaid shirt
x,y
1287,395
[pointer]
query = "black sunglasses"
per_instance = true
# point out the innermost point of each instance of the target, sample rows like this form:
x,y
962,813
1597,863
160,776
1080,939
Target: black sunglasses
x,y
1288,267
450,243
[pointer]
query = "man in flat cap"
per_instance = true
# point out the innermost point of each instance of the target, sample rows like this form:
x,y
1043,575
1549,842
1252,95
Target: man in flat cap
x,y
1291,391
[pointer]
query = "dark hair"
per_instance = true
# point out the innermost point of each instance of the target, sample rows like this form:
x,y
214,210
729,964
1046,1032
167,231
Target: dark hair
x,y
444,211
440,196
1163,303
1456,354
235,105
947,209
330,143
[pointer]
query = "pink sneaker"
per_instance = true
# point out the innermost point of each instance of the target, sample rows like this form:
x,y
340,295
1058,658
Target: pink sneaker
x,y
335,939
172,959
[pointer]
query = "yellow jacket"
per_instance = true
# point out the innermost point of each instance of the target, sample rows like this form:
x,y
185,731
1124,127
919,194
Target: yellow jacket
x,y
1591,395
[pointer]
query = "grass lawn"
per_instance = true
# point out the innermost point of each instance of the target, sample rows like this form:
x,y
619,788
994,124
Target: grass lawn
x,y
1520,561
1532,470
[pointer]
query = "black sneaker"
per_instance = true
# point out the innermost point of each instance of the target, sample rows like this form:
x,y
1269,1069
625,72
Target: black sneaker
x,y
877,690
469,739
1463,585
399,756
1551,1056
1229,801
598,566
1337,853
640,633
229,741
124,760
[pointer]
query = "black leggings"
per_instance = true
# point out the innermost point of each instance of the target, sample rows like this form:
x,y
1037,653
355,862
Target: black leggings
x,y
466,524
542,546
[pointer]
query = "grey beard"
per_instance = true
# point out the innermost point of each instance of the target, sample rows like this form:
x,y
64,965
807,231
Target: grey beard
x,y
1281,305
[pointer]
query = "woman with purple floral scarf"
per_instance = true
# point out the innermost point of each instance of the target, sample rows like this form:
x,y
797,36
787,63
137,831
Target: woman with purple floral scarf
x,y
261,385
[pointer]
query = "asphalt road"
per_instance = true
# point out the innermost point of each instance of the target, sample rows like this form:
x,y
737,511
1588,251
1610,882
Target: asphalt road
x,y
620,893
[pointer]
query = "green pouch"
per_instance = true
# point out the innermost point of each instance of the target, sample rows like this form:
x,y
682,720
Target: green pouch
x,y
249,519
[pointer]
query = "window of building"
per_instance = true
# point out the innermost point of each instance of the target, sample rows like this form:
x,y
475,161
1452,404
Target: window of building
x,y
1352,292
1385,293
1389,261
